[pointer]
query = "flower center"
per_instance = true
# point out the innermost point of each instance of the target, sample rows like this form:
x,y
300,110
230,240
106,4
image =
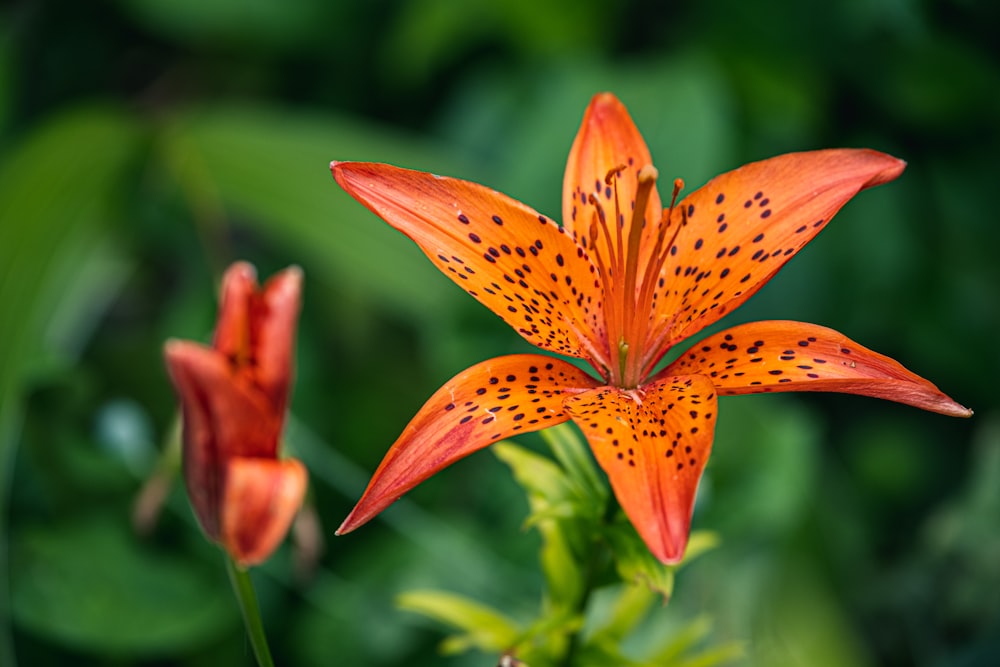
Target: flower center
x,y
630,275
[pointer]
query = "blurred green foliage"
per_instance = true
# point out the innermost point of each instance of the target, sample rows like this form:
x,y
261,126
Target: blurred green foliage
x,y
146,144
588,545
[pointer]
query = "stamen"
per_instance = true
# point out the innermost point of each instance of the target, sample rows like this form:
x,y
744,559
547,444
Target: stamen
x,y
607,271
678,186
613,173
650,281
647,180
593,201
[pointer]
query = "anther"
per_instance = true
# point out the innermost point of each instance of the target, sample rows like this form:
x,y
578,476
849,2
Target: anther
x,y
613,173
678,186
593,201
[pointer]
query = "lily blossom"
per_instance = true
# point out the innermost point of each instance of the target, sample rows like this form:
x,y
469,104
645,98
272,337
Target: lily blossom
x,y
233,398
619,284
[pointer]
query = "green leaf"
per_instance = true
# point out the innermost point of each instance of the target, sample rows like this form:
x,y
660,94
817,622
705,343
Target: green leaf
x,y
256,23
686,639
603,654
482,627
628,609
564,576
550,492
58,263
58,190
88,583
551,495
727,653
573,453
269,169
7,73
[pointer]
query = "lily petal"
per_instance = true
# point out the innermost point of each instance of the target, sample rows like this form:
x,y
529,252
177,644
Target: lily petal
x,y
793,356
741,227
236,312
607,139
653,443
256,328
224,417
274,334
262,497
517,263
491,400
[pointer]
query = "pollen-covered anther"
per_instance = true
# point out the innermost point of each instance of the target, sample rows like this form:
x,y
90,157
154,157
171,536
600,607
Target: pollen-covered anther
x,y
678,186
647,176
613,173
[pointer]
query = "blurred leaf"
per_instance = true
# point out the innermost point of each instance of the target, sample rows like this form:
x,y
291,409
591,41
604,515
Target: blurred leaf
x,y
939,83
550,492
637,565
573,453
681,105
551,495
684,646
57,263
270,169
784,100
7,76
716,655
960,548
483,628
683,640
682,649
631,605
802,617
248,23
564,577
603,654
428,35
57,192
764,466
87,583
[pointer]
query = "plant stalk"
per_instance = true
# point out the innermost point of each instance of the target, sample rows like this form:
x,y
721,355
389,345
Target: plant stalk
x,y
243,588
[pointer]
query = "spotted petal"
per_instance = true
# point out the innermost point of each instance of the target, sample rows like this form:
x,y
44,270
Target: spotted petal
x,y
741,227
793,356
653,443
481,405
607,139
519,264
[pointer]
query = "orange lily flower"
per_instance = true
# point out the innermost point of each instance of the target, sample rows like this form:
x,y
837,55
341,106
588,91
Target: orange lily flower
x,y
620,283
233,397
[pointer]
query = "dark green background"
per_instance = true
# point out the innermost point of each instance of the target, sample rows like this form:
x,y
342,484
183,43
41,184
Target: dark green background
x,y
146,144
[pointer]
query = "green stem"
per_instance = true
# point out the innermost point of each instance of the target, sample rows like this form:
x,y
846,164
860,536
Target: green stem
x,y
581,607
595,563
243,587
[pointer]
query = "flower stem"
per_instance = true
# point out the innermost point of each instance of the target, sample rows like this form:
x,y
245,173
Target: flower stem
x,y
243,588
569,657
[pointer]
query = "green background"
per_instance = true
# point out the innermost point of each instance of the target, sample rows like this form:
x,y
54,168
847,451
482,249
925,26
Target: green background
x,y
146,144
